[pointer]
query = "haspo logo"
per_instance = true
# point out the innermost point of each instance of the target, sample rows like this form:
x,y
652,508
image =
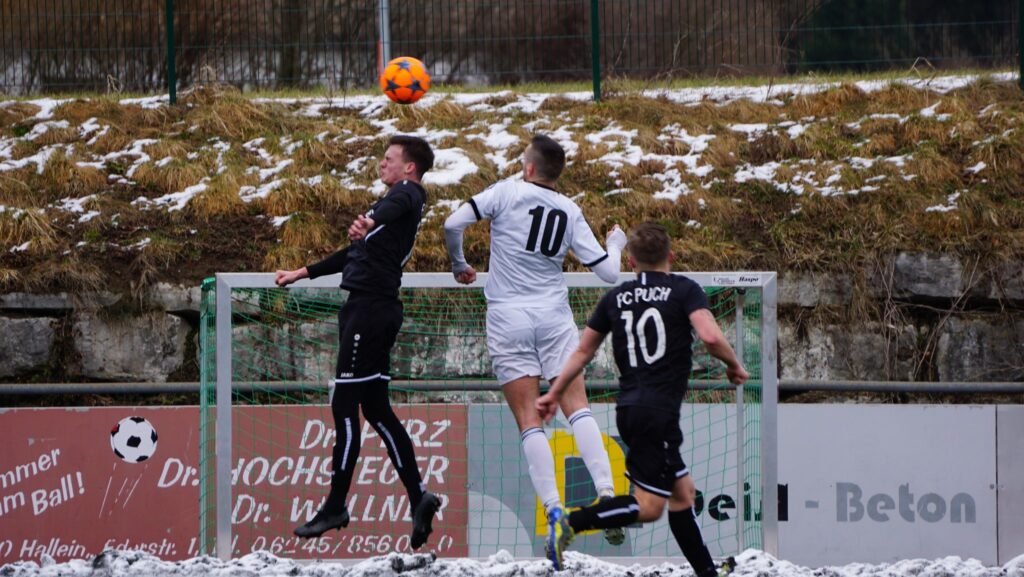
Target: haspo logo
x,y
851,506
733,280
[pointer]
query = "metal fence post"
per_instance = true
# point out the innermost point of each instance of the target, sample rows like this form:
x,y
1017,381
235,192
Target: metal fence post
x,y
595,47
384,40
172,78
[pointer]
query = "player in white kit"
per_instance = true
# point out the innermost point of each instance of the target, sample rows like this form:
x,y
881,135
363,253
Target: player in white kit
x,y
530,327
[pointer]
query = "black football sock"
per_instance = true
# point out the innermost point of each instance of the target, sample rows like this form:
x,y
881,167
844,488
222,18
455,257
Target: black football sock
x,y
619,511
691,542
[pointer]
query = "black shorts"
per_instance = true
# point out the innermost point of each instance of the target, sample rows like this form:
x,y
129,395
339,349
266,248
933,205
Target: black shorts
x,y
367,328
652,439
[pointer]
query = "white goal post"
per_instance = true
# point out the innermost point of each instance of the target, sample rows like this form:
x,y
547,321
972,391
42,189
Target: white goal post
x,y
758,434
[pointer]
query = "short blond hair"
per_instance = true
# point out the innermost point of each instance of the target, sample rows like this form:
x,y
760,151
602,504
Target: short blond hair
x,y
649,243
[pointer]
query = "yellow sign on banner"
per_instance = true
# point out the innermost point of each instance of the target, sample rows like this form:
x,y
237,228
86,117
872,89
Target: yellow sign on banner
x,y
563,447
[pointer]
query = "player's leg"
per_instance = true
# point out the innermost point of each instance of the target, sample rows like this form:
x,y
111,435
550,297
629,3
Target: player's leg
x,y
682,519
379,413
512,344
378,332
557,338
376,337
588,436
512,347
590,444
641,429
348,391
521,395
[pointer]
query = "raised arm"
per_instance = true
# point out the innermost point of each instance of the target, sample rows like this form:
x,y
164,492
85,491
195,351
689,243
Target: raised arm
x,y
608,269
605,262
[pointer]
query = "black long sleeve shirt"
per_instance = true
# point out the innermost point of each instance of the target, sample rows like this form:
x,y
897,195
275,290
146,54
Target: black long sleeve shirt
x,y
374,264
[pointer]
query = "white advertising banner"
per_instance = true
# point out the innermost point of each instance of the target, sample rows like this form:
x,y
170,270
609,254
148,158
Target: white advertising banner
x,y
883,483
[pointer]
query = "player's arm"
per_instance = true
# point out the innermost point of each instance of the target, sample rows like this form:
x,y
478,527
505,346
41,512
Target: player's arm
x,y
330,265
608,269
454,227
389,209
590,341
708,331
606,264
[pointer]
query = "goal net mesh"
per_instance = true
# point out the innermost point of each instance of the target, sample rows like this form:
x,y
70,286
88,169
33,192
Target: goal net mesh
x,y
283,346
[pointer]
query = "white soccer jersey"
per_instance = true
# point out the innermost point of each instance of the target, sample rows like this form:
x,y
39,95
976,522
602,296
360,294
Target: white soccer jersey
x,y
532,230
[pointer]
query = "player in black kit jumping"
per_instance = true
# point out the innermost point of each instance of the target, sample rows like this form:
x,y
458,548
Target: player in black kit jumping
x,y
651,319
368,324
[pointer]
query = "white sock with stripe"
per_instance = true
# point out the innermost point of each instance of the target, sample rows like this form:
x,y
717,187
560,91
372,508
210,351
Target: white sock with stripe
x,y
590,444
542,466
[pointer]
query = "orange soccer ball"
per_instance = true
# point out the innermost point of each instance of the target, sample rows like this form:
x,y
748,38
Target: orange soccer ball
x,y
405,80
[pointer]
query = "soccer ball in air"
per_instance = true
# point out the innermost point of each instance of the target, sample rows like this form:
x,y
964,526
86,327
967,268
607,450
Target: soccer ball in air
x,y
405,80
133,439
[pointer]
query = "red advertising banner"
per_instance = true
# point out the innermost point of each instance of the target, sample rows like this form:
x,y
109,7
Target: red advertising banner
x,y
74,482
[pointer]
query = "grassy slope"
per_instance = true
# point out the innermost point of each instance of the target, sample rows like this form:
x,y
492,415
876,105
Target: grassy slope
x,y
743,225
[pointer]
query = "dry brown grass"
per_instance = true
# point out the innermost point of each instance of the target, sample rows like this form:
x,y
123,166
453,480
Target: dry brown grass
x,y
741,225
63,178
283,257
219,200
170,178
28,226
9,278
309,231
70,274
226,113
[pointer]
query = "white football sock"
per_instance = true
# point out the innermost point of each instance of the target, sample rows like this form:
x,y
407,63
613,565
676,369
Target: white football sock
x,y
542,466
590,444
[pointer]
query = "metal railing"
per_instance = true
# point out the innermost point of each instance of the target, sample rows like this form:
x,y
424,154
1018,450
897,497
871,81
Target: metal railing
x,y
785,386
49,46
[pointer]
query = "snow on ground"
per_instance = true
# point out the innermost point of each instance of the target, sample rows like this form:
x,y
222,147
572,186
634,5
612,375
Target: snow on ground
x,y
262,564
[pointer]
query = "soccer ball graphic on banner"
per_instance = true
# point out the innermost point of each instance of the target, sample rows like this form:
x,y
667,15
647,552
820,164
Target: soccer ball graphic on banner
x,y
133,439
405,80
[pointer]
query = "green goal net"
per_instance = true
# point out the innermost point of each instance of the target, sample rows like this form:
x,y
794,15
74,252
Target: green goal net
x,y
267,364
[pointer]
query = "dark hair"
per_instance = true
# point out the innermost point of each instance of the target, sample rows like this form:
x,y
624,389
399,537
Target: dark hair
x,y
415,150
649,243
547,155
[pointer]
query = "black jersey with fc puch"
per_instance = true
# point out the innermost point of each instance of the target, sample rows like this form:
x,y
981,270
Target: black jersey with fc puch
x,y
374,263
652,336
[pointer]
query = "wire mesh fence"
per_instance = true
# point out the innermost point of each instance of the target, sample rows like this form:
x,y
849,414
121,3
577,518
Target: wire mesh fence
x,y
49,46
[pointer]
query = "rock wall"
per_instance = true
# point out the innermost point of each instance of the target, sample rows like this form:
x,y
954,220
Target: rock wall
x,y
98,336
916,316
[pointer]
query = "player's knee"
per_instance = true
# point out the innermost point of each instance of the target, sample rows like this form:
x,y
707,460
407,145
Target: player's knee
x,y
684,494
678,503
378,412
650,512
526,418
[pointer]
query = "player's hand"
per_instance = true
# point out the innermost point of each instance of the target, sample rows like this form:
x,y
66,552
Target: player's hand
x,y
737,376
361,227
467,276
547,407
616,238
286,277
